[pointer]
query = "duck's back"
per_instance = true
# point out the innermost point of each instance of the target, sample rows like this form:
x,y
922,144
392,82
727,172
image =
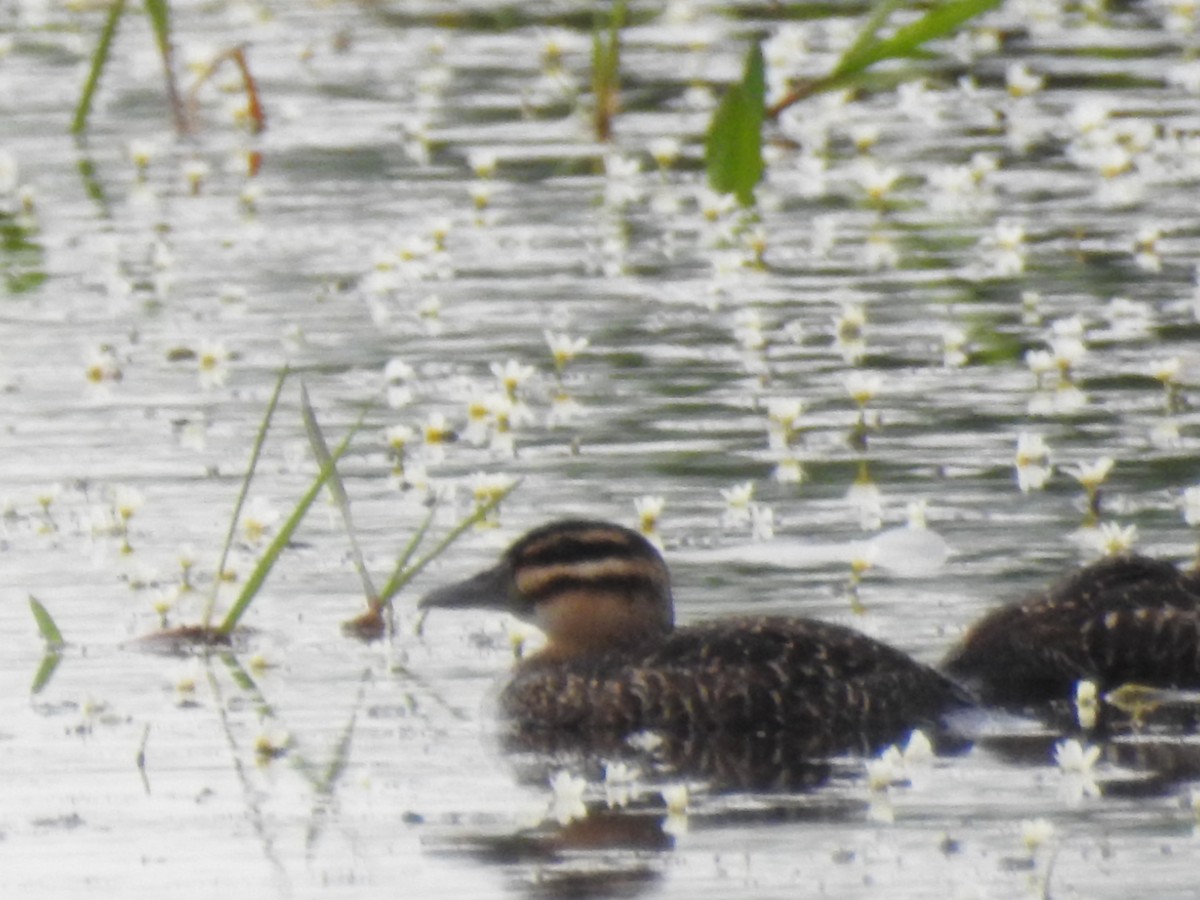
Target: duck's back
x,y
818,688
1123,619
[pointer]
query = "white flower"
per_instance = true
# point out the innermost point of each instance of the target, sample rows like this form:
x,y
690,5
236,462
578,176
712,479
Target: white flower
x,y
1087,705
862,386
126,501
1072,756
271,743
649,509
1032,462
398,437
665,151
1091,475
258,518
885,770
1021,82
212,360
740,495
1035,833
489,486
568,802
564,348
875,180
1166,370
1191,506
1114,539
511,375
789,471
619,779
482,163
762,522
676,797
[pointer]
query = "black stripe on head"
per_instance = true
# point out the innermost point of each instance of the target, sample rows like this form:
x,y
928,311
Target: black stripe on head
x,y
572,542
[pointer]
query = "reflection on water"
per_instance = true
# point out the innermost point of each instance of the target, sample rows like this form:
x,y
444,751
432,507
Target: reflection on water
x,y
959,294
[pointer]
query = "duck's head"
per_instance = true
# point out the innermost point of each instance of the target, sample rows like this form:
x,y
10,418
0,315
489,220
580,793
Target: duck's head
x,y
592,587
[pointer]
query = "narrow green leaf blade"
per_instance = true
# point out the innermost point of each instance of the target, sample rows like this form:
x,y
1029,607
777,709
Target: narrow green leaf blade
x,y
403,575
733,150
255,452
940,21
45,624
284,536
320,449
99,58
45,671
160,20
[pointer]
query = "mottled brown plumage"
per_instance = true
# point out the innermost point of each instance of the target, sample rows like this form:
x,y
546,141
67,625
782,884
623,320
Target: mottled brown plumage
x,y
1120,620
745,697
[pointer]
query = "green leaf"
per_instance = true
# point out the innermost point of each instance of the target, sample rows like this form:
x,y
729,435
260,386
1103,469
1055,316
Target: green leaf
x,y
279,544
402,575
940,21
255,452
99,58
45,671
320,449
733,150
45,624
160,21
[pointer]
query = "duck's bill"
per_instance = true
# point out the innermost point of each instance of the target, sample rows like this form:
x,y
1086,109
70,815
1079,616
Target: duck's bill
x,y
487,590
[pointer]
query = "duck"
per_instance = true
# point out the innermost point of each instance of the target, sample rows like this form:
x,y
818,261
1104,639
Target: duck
x,y
1125,619
750,701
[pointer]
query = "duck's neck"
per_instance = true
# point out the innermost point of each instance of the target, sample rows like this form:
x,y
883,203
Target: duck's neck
x,y
588,625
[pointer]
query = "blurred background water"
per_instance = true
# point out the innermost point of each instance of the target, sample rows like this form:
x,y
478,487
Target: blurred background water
x,y
998,240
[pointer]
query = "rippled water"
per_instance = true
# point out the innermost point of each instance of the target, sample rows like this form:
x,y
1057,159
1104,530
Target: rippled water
x,y
364,239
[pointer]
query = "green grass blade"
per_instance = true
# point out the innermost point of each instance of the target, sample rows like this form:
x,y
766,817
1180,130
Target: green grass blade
x,y
868,37
403,576
320,449
277,546
45,623
255,452
160,20
45,671
940,21
159,13
413,543
99,59
733,150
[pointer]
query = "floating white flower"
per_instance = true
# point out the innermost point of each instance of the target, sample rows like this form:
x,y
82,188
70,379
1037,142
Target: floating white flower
x,y
1035,833
619,781
885,770
862,386
482,162
511,375
127,501
271,743
665,151
1075,761
762,522
1166,370
1087,704
258,517
568,802
1021,82
212,361
1191,506
564,348
649,510
398,437
1032,461
789,471
1091,475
